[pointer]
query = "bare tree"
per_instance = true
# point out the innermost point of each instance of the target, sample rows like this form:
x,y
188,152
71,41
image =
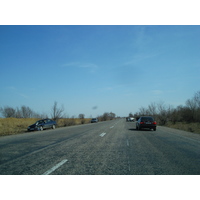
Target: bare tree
x,y
143,111
7,111
26,112
57,112
18,113
193,108
22,112
197,98
82,117
162,113
152,109
112,115
105,116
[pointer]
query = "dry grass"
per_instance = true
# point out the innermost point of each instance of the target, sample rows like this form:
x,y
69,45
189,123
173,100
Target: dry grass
x,y
11,126
191,127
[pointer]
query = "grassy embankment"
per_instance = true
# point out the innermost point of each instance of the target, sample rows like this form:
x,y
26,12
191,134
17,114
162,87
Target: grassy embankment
x,y
190,127
11,126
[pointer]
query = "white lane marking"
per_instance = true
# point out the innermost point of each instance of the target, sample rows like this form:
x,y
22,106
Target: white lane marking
x,y
127,142
111,126
55,167
102,134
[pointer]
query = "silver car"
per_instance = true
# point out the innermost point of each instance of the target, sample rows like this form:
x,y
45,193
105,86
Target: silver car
x,y
94,120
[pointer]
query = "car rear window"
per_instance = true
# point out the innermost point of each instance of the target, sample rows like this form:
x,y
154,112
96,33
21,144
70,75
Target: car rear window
x,y
147,119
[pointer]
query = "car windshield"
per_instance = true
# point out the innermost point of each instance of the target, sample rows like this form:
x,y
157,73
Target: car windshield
x,y
39,122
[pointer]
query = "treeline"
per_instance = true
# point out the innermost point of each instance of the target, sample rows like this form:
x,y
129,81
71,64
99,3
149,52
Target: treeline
x,y
27,112
22,112
107,116
56,113
190,112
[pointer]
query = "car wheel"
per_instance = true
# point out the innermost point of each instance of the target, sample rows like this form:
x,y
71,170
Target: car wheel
x,y
53,127
154,129
41,128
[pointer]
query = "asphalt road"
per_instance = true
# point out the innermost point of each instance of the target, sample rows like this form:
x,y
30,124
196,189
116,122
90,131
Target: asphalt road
x,y
105,148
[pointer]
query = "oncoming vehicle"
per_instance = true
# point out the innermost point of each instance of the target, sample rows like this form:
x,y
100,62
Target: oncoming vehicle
x,y
146,122
42,124
94,120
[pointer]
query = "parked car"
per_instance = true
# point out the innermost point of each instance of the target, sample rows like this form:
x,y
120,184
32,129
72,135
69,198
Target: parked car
x,y
94,120
42,124
146,122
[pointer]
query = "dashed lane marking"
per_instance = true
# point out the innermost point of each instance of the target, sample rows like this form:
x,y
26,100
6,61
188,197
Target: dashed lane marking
x,y
55,167
127,142
102,134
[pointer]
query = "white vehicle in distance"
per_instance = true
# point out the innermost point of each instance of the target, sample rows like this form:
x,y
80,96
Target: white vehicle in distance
x,y
94,120
130,119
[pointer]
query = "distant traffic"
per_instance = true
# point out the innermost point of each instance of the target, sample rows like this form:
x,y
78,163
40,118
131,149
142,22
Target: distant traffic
x,y
130,119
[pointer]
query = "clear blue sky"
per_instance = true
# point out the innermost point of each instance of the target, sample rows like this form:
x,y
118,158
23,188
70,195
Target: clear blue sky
x,y
97,69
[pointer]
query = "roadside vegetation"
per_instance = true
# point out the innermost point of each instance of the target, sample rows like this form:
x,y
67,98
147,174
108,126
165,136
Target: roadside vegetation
x,y
16,120
11,126
190,127
185,117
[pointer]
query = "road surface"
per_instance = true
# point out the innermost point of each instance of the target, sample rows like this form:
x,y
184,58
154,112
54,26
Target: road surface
x,y
104,148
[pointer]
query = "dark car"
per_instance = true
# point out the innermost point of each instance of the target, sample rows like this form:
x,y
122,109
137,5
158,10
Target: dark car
x,y
146,122
94,120
42,124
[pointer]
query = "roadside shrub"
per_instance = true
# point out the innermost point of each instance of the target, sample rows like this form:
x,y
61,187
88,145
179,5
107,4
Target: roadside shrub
x,y
82,121
72,121
191,127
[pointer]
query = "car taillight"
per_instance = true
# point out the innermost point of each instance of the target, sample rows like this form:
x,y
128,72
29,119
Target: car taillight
x,y
154,123
141,122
